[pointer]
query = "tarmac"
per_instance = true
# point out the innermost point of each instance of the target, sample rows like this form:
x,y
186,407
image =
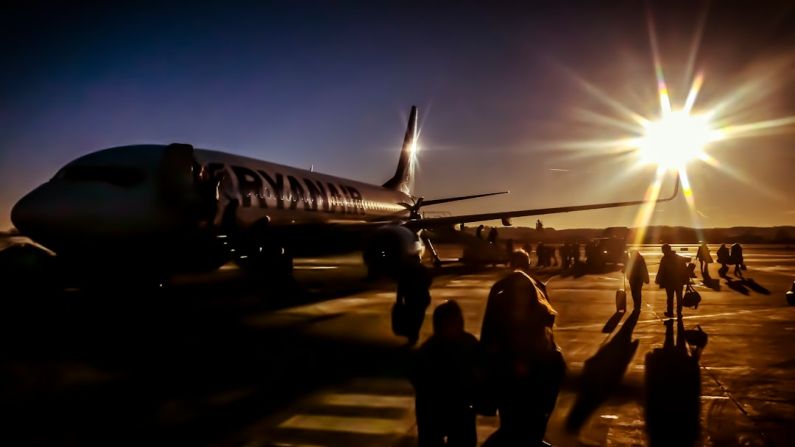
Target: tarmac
x,y
228,362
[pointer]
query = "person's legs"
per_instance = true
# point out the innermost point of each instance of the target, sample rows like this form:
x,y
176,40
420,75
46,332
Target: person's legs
x,y
669,301
679,301
462,430
429,431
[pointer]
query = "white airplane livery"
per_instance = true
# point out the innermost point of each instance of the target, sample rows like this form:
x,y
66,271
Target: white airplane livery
x,y
174,208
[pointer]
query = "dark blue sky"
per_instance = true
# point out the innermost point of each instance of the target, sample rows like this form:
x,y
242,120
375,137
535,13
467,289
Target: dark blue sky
x,y
330,84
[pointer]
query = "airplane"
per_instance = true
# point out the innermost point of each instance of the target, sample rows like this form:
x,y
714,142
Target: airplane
x,y
168,209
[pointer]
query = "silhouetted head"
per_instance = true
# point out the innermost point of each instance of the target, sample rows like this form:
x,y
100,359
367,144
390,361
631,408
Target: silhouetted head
x,y
666,249
448,319
520,260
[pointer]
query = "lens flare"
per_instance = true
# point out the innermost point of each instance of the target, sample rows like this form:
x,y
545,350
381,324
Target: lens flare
x,y
683,131
675,139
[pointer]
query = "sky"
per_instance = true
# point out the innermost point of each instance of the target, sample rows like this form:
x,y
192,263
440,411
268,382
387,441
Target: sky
x,y
531,98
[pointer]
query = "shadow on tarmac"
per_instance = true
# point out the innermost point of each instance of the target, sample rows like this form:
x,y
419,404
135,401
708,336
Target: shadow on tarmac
x,y
746,285
180,365
673,387
603,372
612,323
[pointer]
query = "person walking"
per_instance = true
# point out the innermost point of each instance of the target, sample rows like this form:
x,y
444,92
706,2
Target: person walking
x,y
637,274
723,259
524,366
704,259
541,254
413,298
444,378
736,258
672,276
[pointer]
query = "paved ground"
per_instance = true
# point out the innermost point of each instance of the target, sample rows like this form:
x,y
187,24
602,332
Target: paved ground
x,y
218,366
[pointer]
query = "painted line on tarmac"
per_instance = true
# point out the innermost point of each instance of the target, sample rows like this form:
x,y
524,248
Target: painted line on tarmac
x,y
661,319
728,395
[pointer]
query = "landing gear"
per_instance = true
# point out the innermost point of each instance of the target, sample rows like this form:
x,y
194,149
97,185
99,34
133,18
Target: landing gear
x,y
437,262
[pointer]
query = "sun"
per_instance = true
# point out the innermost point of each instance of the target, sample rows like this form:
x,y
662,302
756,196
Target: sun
x,y
675,139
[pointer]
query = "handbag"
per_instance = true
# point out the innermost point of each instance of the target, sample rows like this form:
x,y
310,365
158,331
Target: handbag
x,y
691,298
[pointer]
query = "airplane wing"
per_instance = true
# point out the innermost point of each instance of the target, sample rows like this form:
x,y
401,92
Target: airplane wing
x,y
421,223
459,198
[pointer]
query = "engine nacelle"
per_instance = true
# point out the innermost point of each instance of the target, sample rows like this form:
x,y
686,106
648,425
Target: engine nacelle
x,y
389,247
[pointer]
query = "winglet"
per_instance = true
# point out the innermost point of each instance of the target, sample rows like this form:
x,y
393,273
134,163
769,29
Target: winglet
x,y
401,181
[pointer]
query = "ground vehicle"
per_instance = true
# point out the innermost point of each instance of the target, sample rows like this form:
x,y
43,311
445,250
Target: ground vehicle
x,y
610,250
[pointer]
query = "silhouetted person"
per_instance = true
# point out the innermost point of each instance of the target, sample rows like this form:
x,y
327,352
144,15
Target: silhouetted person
x,y
737,260
723,259
591,255
493,236
673,388
541,251
479,232
637,274
524,367
672,276
444,378
704,259
206,189
413,297
509,247
569,257
225,195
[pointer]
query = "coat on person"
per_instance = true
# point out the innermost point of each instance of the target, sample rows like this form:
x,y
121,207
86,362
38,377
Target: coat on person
x,y
737,260
672,276
524,366
723,254
637,274
736,256
673,271
444,377
636,270
703,254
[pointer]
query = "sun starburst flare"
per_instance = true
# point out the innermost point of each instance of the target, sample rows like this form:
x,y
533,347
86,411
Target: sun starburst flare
x,y
682,133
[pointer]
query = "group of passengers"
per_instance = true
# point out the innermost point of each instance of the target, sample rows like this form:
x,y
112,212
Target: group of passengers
x,y
515,369
726,257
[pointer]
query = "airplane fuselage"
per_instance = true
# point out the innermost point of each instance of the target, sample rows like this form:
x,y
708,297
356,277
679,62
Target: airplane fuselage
x,y
286,196
147,205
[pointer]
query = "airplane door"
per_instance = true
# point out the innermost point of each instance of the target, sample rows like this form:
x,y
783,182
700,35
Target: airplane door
x,y
175,177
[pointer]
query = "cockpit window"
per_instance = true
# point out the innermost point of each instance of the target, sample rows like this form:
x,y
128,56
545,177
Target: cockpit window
x,y
124,176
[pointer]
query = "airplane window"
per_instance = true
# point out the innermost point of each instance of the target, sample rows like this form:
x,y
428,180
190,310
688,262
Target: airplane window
x,y
116,175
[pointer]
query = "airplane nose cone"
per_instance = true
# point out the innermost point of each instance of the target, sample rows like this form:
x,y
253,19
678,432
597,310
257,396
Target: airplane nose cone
x,y
24,212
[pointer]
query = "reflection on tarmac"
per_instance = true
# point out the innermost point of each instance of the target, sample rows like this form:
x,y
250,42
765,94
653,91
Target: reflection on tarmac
x,y
226,362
